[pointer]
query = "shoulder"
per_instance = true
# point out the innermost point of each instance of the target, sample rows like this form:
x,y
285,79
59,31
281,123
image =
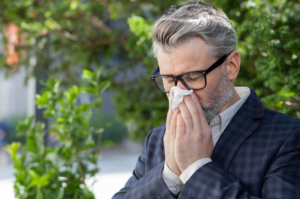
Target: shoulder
x,y
156,133
279,124
154,147
160,130
274,118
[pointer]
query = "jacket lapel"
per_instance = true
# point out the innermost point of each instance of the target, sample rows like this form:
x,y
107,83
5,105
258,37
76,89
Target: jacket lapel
x,y
240,128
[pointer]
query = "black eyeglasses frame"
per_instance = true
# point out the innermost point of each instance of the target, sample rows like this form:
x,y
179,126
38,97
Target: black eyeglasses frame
x,y
179,77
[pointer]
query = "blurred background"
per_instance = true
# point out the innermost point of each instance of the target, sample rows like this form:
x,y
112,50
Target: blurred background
x,y
61,38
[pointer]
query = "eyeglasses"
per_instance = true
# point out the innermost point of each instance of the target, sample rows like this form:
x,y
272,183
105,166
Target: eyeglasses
x,y
195,80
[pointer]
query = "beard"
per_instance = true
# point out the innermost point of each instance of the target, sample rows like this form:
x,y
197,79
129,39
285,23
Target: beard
x,y
218,98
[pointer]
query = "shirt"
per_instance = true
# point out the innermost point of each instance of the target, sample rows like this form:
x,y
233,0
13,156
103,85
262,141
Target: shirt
x,y
217,126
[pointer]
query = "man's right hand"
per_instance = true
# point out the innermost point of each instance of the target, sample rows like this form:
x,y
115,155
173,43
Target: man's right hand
x,y
169,140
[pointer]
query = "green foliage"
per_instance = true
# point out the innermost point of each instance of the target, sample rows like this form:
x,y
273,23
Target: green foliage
x,y
12,123
146,107
76,29
80,31
60,172
115,131
268,34
268,43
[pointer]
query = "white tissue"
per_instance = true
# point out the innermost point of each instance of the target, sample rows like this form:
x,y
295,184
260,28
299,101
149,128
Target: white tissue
x,y
177,93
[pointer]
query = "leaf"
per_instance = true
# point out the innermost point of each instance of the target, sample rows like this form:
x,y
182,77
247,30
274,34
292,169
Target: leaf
x,y
89,140
21,134
22,127
60,120
84,107
49,23
88,76
44,180
108,143
98,74
97,103
89,90
103,86
51,157
13,149
99,131
34,176
61,194
94,171
74,90
139,26
49,113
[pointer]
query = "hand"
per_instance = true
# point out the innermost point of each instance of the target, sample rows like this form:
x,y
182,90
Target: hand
x,y
193,136
169,140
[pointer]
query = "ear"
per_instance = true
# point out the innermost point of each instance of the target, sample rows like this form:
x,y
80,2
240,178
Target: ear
x,y
233,65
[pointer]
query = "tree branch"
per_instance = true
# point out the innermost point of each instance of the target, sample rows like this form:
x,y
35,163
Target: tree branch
x,y
82,176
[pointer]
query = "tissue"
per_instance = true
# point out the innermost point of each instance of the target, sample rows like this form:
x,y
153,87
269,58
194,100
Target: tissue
x,y
177,95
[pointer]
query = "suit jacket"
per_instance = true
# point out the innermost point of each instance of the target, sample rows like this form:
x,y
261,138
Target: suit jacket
x,y
257,156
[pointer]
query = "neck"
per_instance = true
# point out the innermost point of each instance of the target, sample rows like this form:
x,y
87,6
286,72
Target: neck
x,y
230,102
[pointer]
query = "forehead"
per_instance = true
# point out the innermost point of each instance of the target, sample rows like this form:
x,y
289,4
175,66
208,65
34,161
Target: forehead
x,y
190,56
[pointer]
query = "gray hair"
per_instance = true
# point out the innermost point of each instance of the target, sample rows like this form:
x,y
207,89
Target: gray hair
x,y
194,19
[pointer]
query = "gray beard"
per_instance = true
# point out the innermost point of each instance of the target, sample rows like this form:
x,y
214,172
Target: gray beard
x,y
218,99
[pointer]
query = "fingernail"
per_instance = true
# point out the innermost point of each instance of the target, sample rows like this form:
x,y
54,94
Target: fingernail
x,y
193,95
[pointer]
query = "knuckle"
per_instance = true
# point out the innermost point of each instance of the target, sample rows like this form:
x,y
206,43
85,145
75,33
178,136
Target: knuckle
x,y
188,117
186,98
209,135
185,142
180,124
180,106
198,137
173,116
194,111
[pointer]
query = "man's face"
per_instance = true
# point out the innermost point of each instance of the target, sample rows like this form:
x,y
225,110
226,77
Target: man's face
x,y
192,56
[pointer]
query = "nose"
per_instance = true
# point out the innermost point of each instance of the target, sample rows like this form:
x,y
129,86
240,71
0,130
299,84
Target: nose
x,y
180,85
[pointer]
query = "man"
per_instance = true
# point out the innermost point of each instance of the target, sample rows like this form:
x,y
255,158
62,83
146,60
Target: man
x,y
220,142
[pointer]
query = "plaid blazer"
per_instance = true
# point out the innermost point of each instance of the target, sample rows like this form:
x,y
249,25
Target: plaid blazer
x,y
257,156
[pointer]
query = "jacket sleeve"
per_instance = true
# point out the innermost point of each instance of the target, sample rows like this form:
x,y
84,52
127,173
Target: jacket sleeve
x,y
282,179
144,184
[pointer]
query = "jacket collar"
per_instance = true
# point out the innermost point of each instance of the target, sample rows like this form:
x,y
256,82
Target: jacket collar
x,y
246,120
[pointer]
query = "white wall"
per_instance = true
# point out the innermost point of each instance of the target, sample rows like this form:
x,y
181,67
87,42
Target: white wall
x,y
15,98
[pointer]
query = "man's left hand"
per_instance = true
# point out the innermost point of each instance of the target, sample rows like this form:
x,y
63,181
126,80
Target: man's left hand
x,y
193,135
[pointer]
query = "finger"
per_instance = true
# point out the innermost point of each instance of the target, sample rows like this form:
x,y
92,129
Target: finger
x,y
173,124
203,122
193,110
181,127
196,102
186,115
199,108
169,115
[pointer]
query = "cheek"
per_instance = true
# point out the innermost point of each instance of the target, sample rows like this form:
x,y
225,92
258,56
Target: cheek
x,y
201,95
204,94
213,79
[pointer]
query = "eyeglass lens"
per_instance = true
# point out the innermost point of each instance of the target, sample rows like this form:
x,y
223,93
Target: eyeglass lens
x,y
194,80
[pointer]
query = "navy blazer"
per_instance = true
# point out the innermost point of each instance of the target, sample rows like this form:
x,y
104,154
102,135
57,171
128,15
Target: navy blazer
x,y
257,156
